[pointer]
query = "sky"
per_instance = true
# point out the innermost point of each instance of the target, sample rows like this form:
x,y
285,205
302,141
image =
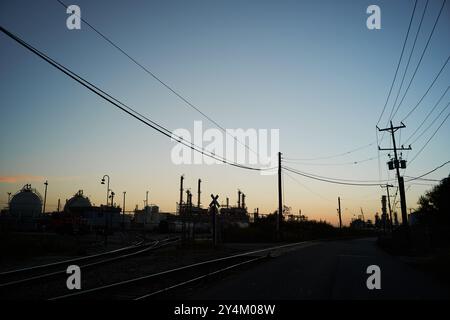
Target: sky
x,y
311,69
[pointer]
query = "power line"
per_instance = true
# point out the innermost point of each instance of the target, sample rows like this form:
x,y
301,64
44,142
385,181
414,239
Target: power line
x,y
332,156
152,74
409,59
398,64
424,179
130,111
428,90
428,141
429,172
420,60
428,115
422,184
304,186
341,181
332,164
431,124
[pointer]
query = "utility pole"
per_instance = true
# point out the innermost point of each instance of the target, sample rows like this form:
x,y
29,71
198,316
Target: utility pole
x,y
339,211
387,186
383,210
280,198
123,211
45,196
395,163
146,208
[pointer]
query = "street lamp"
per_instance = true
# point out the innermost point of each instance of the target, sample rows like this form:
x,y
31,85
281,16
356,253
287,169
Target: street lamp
x,y
107,187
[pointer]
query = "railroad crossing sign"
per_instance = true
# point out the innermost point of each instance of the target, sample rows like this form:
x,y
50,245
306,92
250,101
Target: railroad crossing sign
x,y
214,203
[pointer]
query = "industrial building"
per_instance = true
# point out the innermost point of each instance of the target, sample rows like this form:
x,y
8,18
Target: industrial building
x,y
235,216
80,211
25,212
149,217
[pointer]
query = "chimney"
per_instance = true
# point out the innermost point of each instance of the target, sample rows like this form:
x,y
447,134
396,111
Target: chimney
x,y
228,202
181,194
243,201
188,197
239,198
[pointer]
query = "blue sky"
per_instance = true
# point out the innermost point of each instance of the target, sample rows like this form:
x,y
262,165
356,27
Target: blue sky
x,y
309,68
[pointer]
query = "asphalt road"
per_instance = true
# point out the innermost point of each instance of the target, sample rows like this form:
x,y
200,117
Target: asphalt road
x,y
327,270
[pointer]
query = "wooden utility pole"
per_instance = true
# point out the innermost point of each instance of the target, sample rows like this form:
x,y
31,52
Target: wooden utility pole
x,y
45,196
123,211
387,186
383,210
395,163
280,198
339,211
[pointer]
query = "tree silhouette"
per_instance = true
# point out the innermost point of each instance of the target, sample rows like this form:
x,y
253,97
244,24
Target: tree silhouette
x,y
436,202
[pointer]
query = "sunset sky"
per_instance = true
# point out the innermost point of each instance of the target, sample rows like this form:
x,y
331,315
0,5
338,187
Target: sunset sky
x,y
311,69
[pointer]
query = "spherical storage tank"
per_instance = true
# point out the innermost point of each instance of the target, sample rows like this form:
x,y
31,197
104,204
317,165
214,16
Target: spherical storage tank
x,y
78,201
26,203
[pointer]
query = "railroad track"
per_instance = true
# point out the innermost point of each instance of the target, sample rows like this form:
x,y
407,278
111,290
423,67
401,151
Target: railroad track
x,y
157,284
30,275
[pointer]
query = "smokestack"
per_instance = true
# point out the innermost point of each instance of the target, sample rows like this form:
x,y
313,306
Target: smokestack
x,y
228,202
199,192
239,198
256,214
188,198
243,201
181,193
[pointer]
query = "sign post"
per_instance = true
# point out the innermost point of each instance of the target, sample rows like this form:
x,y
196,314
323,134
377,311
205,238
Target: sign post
x,y
214,207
